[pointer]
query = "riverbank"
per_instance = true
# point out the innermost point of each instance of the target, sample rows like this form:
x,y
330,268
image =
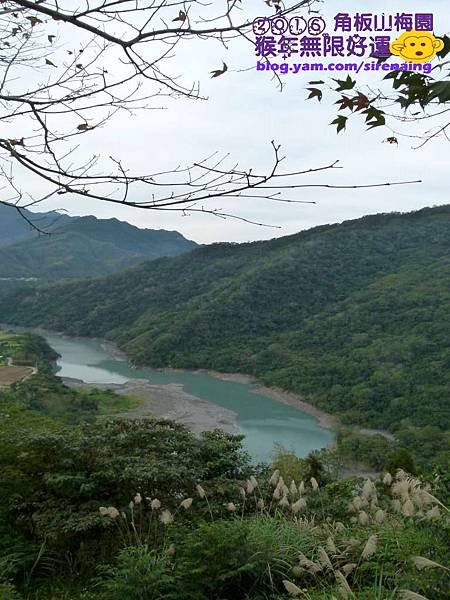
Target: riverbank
x,y
326,420
200,399
169,401
164,404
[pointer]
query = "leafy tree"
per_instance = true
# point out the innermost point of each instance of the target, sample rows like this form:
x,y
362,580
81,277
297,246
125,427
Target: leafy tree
x,y
401,459
402,99
315,468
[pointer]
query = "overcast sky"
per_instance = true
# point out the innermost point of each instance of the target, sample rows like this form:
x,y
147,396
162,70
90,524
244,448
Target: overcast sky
x,y
244,112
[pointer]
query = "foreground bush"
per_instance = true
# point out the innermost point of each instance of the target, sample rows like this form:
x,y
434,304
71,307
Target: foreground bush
x,y
276,543
130,510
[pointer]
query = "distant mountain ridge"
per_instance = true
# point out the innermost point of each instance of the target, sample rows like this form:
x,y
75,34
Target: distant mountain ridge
x,y
78,246
152,243
15,228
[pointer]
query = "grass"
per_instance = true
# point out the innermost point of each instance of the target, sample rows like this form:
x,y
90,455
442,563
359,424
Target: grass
x,y
110,403
275,552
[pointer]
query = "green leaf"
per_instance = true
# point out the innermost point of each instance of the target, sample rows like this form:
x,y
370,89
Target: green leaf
x,y
315,93
340,121
374,117
440,90
345,84
372,113
378,123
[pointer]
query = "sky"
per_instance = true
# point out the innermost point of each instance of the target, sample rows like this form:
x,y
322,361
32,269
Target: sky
x,y
243,113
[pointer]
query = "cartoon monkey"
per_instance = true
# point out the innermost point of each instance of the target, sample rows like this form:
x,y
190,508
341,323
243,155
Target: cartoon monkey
x,y
416,46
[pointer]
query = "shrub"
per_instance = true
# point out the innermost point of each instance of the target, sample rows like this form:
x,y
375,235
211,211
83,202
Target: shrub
x,y
288,464
8,592
401,459
139,574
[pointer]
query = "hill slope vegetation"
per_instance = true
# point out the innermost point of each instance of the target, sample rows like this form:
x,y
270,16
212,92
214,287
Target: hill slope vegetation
x,y
14,226
356,317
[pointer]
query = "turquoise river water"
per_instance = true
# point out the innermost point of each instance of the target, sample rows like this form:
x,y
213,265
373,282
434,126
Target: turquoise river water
x,y
264,421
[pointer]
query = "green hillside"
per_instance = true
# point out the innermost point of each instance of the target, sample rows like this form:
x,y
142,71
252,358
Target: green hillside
x,y
356,316
82,247
64,255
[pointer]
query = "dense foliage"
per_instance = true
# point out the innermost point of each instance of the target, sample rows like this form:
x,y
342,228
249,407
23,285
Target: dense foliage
x,y
94,508
355,317
144,510
27,349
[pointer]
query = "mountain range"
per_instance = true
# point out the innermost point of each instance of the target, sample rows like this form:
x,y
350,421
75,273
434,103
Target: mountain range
x,y
78,246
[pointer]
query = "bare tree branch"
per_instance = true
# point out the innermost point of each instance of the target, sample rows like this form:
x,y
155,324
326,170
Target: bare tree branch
x,y
54,92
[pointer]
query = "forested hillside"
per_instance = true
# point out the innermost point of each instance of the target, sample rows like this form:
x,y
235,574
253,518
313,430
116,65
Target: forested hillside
x,y
78,246
356,316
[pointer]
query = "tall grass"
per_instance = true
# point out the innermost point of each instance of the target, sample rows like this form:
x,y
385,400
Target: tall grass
x,y
274,539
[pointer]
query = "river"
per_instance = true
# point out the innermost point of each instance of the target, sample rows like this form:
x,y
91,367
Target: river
x,y
264,421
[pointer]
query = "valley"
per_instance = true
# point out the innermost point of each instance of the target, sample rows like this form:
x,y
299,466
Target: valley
x,y
198,400
301,382
354,318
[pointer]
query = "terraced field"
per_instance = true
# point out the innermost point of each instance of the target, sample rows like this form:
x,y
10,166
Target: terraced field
x,y
11,374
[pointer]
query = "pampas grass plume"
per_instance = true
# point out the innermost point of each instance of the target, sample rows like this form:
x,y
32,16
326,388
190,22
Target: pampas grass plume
x,y
343,585
380,516
363,518
420,562
387,479
187,503
274,478
200,491
292,589
299,505
370,547
408,595
166,517
284,502
408,508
